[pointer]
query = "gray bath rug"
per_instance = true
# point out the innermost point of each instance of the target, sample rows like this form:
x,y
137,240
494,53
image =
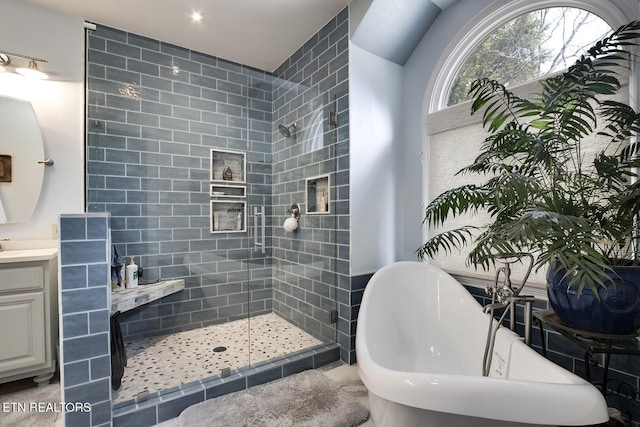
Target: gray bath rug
x,y
307,399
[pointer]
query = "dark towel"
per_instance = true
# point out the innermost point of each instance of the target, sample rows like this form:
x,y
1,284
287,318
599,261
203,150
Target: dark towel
x,y
118,352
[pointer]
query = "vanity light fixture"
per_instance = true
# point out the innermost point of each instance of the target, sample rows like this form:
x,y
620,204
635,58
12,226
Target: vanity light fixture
x,y
31,70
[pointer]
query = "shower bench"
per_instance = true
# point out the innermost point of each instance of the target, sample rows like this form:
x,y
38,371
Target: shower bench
x,y
128,299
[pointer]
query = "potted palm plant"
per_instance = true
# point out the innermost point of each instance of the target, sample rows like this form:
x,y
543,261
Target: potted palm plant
x,y
576,213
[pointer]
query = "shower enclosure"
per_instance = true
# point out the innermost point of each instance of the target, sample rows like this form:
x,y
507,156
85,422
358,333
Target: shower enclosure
x,y
185,151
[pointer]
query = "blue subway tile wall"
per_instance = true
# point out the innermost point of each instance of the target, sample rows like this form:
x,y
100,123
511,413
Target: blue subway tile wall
x,y
155,111
84,319
310,262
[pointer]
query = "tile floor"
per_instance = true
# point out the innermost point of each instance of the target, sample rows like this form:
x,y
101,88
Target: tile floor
x,y
159,363
25,392
344,375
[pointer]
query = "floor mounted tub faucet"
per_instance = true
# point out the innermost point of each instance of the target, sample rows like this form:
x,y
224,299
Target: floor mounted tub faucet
x,y
505,296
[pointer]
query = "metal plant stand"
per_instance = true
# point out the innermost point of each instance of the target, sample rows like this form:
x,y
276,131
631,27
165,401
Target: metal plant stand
x,y
596,344
591,342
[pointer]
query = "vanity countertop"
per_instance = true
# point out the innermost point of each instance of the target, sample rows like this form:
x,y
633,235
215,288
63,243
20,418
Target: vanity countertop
x,y
25,255
128,299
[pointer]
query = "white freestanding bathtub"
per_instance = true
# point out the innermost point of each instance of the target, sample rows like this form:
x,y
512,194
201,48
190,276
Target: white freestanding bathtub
x,y
420,343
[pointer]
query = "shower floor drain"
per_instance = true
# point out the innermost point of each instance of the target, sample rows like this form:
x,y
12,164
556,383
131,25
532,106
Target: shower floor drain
x,y
219,349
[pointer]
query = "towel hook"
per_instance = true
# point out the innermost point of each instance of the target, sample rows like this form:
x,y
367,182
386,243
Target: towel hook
x,y
47,162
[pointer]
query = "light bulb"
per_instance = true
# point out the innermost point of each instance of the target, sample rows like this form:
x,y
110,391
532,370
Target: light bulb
x,y
32,71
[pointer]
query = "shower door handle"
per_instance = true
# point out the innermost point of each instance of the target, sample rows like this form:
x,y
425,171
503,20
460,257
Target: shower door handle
x,y
258,215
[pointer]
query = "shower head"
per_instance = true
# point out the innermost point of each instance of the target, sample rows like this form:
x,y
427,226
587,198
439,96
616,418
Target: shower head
x,y
286,131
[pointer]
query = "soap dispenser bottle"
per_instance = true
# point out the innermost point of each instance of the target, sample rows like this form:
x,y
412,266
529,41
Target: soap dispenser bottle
x,y
132,274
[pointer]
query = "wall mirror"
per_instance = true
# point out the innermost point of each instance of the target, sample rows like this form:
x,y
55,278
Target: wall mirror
x,y
21,148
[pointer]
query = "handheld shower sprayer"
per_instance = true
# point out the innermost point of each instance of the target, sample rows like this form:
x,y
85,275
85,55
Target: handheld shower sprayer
x,y
291,223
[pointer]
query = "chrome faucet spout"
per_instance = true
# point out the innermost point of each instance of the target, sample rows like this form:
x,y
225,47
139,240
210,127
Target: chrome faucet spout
x,y
495,306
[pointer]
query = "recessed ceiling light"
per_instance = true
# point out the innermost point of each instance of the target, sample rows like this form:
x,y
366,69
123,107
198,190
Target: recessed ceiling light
x,y
196,17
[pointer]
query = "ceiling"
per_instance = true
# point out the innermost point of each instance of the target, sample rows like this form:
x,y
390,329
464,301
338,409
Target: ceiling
x,y
258,33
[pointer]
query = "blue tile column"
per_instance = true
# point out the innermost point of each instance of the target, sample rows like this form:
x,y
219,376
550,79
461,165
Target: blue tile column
x,y
84,319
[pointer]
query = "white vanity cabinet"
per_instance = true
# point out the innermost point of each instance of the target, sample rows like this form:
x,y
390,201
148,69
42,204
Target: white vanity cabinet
x,y
28,315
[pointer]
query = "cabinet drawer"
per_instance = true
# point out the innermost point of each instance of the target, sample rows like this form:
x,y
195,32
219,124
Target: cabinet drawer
x,y
21,278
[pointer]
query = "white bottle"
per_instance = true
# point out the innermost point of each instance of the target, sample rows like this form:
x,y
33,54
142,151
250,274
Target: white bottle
x,y
323,203
239,222
123,276
132,275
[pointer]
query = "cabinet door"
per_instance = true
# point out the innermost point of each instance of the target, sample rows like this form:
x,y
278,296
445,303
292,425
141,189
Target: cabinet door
x,y
21,331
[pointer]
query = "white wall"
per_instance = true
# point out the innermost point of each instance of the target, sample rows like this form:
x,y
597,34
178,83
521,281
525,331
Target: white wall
x,y
375,134
417,72
58,103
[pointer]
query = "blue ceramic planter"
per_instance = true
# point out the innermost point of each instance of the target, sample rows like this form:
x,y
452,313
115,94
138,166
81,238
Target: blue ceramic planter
x,y
617,312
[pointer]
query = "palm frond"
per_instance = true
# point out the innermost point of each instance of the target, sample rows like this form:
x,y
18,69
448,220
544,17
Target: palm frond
x,y
499,103
454,202
446,241
622,121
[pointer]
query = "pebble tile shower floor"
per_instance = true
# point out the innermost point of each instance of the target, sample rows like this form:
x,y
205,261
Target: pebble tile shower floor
x,y
163,362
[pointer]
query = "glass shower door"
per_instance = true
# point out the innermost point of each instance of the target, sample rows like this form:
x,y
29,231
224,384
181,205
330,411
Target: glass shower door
x,y
292,273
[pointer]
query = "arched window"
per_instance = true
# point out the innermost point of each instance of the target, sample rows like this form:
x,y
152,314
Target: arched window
x,y
514,42
531,46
